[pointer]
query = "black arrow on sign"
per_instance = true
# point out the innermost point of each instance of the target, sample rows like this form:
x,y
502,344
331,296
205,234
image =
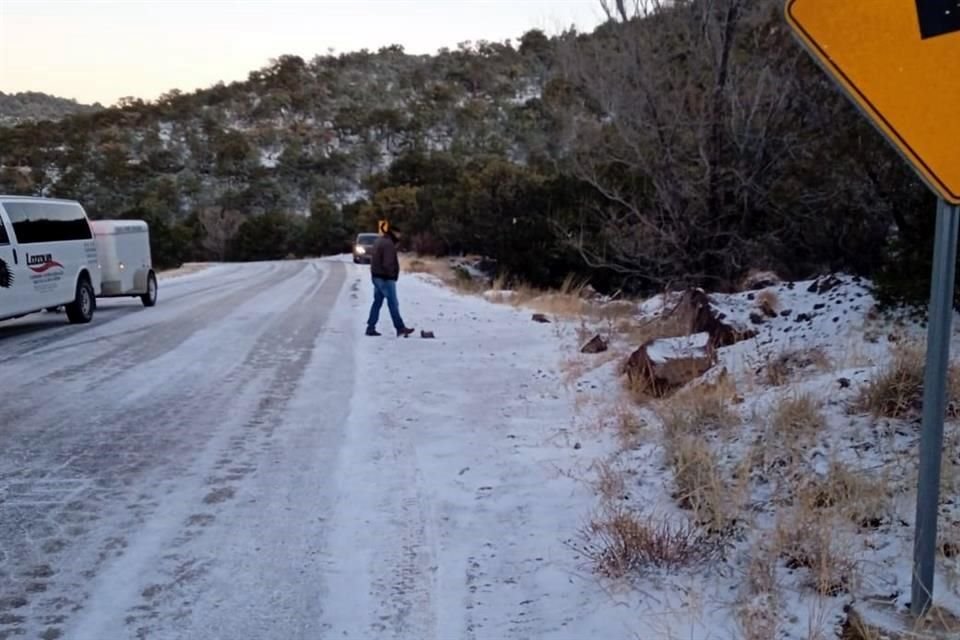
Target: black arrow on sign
x,y
938,17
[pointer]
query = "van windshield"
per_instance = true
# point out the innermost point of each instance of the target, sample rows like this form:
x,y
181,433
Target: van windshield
x,y
367,239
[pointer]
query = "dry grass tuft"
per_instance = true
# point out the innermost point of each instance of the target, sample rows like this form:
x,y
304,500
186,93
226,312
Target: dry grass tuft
x,y
778,371
610,481
620,543
702,486
797,418
629,426
807,538
768,300
758,614
897,390
456,278
698,410
663,325
849,493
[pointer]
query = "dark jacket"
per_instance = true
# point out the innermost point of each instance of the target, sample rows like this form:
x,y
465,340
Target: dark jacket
x,y
384,262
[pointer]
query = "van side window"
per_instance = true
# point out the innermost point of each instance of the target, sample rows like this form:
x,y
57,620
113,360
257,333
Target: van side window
x,y
35,222
4,239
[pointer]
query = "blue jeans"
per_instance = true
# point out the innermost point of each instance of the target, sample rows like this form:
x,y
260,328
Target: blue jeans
x,y
385,290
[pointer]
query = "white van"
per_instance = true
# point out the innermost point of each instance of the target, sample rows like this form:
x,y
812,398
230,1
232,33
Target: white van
x,y
126,267
48,258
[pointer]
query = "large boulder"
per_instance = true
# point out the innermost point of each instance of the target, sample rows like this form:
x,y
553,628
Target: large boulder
x,y
665,364
697,312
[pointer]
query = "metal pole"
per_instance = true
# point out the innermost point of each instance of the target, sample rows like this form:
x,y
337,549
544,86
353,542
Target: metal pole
x,y
934,405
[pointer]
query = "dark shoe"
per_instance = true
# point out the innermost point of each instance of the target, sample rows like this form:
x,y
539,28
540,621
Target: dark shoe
x,y
404,333
372,332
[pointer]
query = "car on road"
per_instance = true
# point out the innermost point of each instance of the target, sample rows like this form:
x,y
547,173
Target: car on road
x,y
123,247
48,258
363,246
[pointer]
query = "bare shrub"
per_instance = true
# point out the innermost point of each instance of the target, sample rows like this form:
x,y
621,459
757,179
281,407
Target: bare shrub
x,y
219,227
620,543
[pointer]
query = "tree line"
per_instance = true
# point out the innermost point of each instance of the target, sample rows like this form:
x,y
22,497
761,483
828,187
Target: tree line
x,y
681,143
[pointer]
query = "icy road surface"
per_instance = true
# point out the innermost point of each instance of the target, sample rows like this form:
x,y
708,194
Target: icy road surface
x,y
241,462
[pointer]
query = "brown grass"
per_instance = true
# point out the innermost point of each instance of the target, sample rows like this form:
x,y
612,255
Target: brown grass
x,y
807,538
663,325
697,410
796,419
620,543
630,427
610,481
768,298
857,496
780,370
703,487
897,389
455,278
760,608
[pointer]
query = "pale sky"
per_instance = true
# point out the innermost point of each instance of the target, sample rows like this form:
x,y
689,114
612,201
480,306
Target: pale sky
x,y
102,50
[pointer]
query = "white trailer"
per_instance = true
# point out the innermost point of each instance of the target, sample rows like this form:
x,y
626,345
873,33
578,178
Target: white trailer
x,y
123,247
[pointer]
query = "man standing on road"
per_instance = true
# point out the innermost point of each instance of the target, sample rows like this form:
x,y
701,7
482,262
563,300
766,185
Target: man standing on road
x,y
385,269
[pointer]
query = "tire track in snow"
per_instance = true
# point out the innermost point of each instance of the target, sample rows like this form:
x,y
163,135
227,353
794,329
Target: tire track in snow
x,y
44,337
102,478
168,565
403,583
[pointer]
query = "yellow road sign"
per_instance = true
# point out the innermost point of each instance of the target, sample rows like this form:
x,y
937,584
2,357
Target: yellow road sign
x,y
900,62
383,227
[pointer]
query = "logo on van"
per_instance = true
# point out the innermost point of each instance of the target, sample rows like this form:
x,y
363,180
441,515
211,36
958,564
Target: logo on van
x,y
6,277
42,263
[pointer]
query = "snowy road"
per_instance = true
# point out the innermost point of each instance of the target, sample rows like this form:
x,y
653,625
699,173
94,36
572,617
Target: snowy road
x,y
239,462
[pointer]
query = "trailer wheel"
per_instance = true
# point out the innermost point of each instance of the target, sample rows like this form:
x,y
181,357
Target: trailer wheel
x,y
80,311
149,298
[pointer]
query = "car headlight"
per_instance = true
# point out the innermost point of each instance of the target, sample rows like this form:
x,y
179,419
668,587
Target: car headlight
x,y
361,251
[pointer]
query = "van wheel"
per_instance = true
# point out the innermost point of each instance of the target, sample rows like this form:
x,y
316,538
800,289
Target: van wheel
x,y
149,299
80,311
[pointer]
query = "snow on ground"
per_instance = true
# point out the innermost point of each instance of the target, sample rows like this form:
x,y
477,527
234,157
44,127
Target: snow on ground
x,y
270,157
824,342
481,487
243,462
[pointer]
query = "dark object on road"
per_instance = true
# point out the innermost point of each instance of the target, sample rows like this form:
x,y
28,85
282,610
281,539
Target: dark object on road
x,y
539,317
427,334
596,345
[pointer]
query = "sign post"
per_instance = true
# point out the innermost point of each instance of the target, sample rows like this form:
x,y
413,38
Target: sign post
x,y
898,60
934,405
